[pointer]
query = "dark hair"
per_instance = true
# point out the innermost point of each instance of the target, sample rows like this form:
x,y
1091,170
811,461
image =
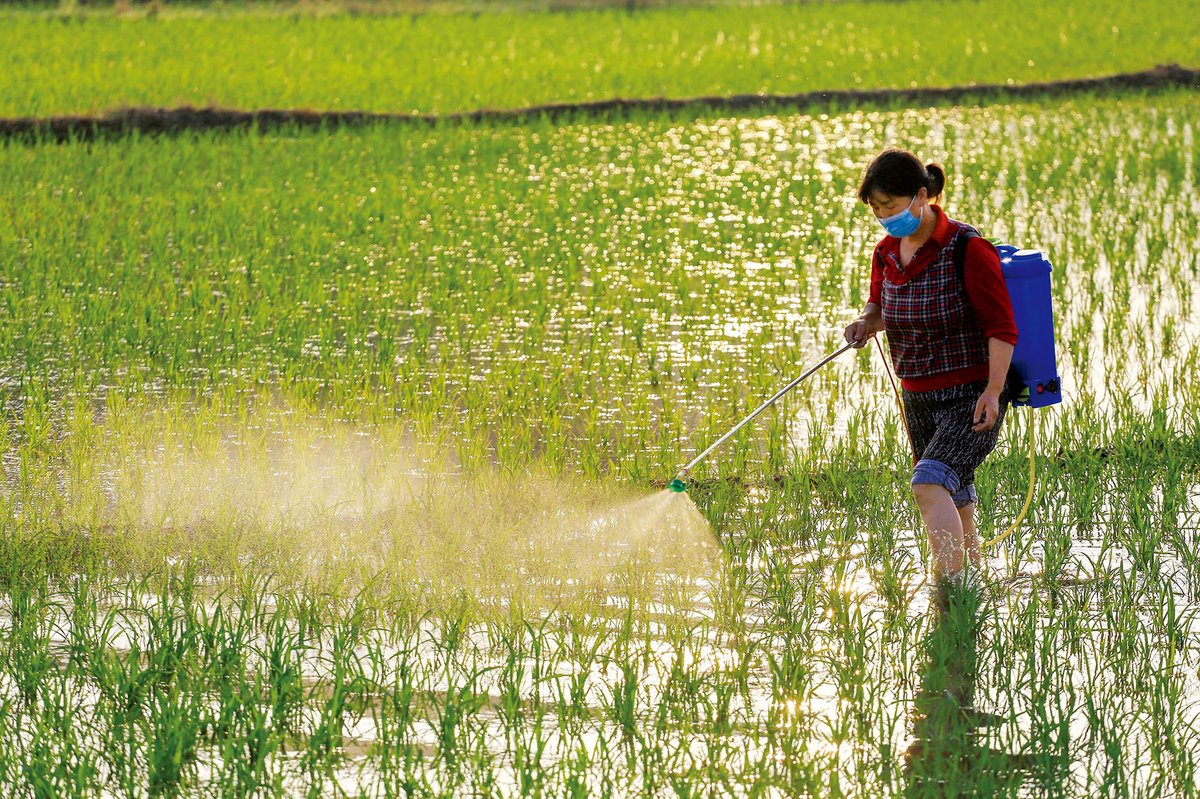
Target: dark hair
x,y
898,173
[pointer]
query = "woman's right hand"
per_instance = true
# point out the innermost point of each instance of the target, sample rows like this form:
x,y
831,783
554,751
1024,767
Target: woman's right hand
x,y
857,332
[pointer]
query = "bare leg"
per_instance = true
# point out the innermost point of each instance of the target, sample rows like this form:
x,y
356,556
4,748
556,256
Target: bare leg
x,y
945,528
971,535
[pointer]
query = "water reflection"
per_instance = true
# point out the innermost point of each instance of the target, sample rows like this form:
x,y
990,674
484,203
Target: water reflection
x,y
704,260
614,317
949,755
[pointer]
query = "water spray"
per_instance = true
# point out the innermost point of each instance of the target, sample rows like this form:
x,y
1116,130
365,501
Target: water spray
x,y
679,484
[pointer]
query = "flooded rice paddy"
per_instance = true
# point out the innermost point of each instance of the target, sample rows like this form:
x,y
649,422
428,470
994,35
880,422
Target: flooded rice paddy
x,y
330,464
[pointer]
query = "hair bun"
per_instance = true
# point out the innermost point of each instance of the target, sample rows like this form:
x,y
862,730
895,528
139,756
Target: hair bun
x,y
937,179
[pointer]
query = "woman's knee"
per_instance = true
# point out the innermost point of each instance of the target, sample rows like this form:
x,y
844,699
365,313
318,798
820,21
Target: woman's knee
x,y
932,479
929,492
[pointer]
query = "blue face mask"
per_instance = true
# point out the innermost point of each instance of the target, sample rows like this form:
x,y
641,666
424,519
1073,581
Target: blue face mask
x,y
901,224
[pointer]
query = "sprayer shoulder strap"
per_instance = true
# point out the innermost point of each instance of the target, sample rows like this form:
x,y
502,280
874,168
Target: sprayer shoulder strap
x,y
960,252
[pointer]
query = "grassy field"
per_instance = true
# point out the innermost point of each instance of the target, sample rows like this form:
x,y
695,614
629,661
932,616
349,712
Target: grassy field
x,y
327,462
442,63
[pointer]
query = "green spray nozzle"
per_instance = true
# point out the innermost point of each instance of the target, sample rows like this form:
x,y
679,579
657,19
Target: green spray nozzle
x,y
677,485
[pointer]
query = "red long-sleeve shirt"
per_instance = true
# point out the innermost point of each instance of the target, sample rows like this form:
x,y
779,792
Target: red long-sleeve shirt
x,y
986,291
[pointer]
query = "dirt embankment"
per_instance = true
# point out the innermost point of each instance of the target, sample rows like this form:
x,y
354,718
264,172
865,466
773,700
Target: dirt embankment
x,y
188,118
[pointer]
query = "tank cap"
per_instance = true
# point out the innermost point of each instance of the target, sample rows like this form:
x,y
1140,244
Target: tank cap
x,y
1024,263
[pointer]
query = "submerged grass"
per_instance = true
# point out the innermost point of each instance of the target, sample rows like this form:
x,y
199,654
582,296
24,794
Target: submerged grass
x,y
313,489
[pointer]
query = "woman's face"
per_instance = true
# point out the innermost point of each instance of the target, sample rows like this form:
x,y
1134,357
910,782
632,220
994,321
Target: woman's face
x,y
885,205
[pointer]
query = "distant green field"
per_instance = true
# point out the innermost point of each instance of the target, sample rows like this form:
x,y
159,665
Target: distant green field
x,y
445,63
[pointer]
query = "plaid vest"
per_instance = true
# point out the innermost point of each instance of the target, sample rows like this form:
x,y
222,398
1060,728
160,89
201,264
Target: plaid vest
x,y
930,325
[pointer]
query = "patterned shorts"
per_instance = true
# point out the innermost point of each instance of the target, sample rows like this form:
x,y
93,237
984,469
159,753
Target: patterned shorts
x,y
945,447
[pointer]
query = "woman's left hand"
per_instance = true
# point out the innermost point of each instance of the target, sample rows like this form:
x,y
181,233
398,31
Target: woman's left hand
x,y
987,411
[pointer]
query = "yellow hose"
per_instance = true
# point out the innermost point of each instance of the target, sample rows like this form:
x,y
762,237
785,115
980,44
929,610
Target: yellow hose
x,y
1028,496
1032,461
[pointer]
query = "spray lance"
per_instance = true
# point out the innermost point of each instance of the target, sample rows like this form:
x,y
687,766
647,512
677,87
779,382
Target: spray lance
x,y
679,484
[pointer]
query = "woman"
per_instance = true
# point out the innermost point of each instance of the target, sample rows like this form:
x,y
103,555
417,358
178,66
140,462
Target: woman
x,y
951,337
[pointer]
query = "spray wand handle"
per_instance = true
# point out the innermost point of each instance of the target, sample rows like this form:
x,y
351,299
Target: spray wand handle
x,y
686,469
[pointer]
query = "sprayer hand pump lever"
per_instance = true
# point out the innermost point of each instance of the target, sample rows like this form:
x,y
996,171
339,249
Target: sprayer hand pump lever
x,y
677,485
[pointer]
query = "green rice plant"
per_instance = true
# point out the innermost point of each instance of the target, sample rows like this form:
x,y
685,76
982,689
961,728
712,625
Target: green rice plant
x,y
284,646
54,764
250,742
401,761
311,509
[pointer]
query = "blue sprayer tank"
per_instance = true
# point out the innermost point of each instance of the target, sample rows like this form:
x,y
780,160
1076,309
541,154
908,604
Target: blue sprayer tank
x,y
1027,275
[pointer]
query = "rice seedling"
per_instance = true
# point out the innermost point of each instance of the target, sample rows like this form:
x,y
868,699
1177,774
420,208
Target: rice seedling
x,y
310,488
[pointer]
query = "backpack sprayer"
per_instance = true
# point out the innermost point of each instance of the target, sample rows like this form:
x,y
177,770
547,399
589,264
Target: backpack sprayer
x,y
1034,368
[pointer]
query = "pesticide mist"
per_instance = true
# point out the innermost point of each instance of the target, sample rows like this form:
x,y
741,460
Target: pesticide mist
x,y
333,501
